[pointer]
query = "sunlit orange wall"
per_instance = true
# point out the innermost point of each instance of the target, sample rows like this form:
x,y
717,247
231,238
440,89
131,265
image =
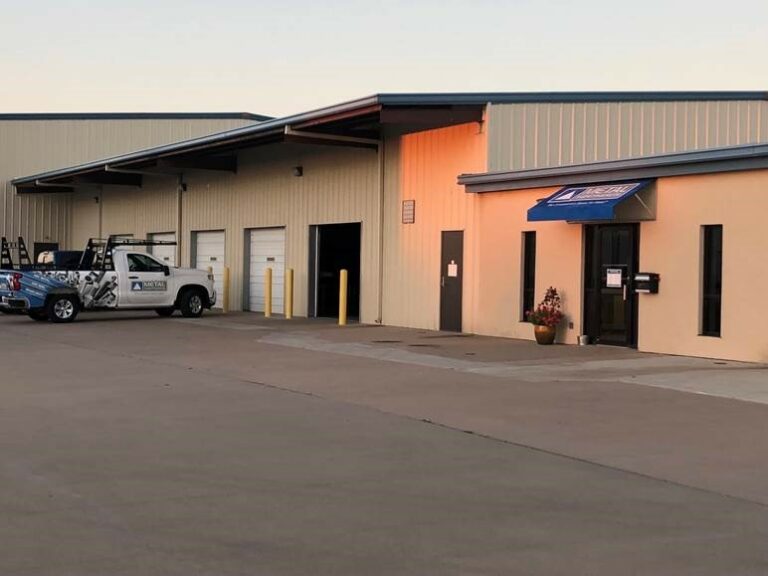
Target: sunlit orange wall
x,y
423,167
501,221
671,245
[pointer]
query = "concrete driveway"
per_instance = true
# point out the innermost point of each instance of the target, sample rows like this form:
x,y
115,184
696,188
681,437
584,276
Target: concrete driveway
x,y
239,445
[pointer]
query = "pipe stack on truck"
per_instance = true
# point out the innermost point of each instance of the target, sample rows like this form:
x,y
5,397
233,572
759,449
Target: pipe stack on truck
x,y
109,274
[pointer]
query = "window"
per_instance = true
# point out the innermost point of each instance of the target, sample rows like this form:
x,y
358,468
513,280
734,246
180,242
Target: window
x,y
712,279
142,263
529,273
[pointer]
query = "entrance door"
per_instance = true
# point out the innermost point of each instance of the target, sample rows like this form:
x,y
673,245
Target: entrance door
x,y
267,250
610,306
451,275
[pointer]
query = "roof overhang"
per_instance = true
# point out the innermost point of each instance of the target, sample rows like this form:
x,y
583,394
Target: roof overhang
x,y
734,158
359,123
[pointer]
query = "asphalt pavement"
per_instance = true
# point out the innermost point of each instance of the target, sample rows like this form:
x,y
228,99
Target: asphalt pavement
x,y
238,445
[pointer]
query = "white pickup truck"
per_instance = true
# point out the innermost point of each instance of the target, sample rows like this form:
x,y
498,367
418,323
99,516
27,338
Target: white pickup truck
x,y
108,276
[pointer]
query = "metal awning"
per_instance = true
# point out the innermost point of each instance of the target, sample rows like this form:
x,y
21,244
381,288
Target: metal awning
x,y
591,203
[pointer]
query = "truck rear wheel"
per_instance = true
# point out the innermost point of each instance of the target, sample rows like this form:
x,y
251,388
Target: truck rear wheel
x,y
62,308
192,304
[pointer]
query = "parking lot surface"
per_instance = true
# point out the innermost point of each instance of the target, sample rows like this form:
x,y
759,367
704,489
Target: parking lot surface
x,y
239,445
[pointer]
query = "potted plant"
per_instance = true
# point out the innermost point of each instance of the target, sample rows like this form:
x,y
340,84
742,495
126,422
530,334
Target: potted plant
x,y
546,316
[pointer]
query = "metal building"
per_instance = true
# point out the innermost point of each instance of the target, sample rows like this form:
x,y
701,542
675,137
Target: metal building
x,y
371,185
31,143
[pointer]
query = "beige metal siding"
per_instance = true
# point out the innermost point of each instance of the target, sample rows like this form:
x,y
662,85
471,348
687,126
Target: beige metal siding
x,y
127,210
339,185
523,136
423,167
32,146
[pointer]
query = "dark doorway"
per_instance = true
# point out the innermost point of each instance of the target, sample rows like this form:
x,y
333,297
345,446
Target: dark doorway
x,y
610,305
451,275
333,247
40,247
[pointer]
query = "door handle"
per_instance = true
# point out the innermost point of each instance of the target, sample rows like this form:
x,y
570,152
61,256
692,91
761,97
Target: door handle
x,y
624,289
442,281
133,277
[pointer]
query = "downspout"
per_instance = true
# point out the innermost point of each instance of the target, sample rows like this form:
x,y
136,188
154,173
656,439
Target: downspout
x,y
380,318
180,186
100,200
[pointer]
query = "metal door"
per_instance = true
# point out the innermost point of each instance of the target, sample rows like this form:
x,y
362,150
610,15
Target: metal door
x,y
209,253
167,253
451,275
267,250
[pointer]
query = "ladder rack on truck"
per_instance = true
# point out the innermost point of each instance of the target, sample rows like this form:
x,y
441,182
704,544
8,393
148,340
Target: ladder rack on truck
x,y
6,259
98,252
96,256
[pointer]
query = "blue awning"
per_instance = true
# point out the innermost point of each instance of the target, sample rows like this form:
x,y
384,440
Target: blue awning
x,y
585,203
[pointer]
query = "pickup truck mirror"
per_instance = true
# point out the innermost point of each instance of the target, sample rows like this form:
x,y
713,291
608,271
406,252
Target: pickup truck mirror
x,y
166,270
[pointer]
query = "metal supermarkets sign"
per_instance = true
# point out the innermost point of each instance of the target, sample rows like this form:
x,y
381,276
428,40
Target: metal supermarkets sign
x,y
593,194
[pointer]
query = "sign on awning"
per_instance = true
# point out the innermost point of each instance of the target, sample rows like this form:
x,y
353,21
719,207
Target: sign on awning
x,y
586,203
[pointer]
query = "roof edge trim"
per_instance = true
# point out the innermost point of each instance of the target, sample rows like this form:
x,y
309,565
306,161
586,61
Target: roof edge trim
x,y
732,158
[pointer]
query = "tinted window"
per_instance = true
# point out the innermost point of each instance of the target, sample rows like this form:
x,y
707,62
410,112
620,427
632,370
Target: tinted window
x,y
712,281
142,263
529,273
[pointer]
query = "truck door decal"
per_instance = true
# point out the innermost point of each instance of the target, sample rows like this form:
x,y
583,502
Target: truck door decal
x,y
149,286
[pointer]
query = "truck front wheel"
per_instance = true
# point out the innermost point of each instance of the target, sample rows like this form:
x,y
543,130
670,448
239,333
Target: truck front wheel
x,y
192,304
62,308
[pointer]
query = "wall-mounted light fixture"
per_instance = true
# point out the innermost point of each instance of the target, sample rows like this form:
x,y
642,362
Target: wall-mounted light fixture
x,y
298,171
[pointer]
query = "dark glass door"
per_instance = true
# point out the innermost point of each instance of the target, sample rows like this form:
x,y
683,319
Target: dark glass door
x,y
610,305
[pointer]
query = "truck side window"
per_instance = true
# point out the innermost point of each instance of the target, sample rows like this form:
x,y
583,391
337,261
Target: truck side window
x,y
141,263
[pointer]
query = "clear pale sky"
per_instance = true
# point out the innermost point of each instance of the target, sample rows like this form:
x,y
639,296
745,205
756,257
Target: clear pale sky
x,y
276,58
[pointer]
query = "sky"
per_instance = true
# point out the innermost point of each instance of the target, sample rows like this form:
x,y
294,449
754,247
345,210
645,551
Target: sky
x,y
282,57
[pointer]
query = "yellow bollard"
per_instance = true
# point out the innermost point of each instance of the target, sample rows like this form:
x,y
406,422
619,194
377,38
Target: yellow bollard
x,y
268,293
225,290
343,281
288,297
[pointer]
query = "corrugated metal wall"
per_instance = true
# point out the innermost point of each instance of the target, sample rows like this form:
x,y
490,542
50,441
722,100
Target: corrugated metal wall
x,y
338,185
523,136
32,146
424,168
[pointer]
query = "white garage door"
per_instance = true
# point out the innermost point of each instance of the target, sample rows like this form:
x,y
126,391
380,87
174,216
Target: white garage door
x,y
267,251
209,252
165,253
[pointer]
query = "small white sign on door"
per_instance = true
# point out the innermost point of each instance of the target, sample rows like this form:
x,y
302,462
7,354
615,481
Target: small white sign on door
x,y
613,278
453,269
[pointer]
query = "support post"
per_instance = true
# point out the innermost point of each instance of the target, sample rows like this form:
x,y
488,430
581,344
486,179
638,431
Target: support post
x,y
268,293
225,290
288,297
343,281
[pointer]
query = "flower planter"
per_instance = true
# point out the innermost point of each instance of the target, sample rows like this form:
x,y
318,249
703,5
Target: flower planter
x,y
545,334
